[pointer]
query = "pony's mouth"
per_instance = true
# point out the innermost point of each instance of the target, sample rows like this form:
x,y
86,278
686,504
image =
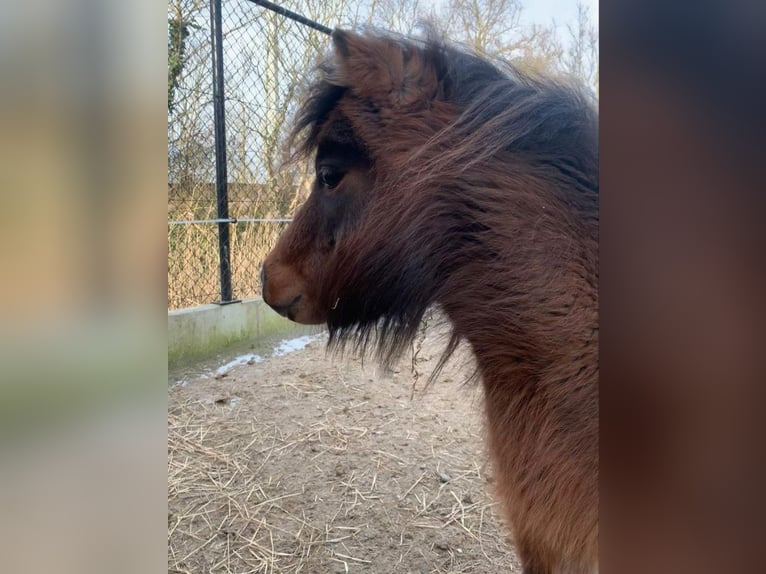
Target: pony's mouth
x,y
289,309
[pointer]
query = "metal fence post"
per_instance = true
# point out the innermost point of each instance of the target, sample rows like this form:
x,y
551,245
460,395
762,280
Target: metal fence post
x,y
202,207
221,177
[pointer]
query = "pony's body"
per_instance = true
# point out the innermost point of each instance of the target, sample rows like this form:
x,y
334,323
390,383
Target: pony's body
x,y
443,180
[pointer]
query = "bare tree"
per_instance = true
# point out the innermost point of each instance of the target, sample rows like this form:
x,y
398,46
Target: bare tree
x,y
486,26
539,50
581,60
495,28
396,15
189,125
268,60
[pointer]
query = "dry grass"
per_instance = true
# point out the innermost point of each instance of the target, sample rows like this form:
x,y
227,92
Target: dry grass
x,y
193,248
193,275
299,464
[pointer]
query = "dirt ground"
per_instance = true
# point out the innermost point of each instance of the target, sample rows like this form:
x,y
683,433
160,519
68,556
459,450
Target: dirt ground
x,y
313,464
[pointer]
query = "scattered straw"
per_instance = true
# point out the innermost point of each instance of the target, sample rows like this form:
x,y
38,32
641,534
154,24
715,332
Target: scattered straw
x,y
324,467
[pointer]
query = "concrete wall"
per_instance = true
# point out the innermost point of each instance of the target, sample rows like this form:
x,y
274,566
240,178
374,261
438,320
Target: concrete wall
x,y
200,332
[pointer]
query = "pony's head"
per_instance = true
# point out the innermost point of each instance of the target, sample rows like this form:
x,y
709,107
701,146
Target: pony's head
x,y
344,259
413,142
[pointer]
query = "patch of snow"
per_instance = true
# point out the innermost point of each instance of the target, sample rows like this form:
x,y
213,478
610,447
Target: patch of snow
x,y
248,359
291,345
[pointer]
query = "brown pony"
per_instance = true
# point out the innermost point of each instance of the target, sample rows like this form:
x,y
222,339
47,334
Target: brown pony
x,y
443,179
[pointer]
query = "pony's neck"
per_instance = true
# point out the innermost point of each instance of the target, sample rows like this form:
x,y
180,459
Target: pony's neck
x,y
530,307
516,342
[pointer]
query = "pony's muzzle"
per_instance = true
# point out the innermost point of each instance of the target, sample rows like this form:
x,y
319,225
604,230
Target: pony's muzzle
x,y
287,310
288,293
282,298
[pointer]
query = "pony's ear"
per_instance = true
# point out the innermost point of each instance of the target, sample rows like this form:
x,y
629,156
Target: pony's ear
x,y
383,69
340,42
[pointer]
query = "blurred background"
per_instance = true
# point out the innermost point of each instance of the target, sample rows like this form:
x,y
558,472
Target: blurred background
x,y
82,302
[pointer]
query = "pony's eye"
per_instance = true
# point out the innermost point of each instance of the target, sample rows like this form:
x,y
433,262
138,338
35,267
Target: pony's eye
x,y
328,177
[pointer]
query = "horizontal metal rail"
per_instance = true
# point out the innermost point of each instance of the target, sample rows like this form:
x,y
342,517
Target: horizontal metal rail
x,y
293,16
231,220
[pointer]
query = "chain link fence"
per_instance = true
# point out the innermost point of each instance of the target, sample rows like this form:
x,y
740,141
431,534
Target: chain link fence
x,y
228,197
